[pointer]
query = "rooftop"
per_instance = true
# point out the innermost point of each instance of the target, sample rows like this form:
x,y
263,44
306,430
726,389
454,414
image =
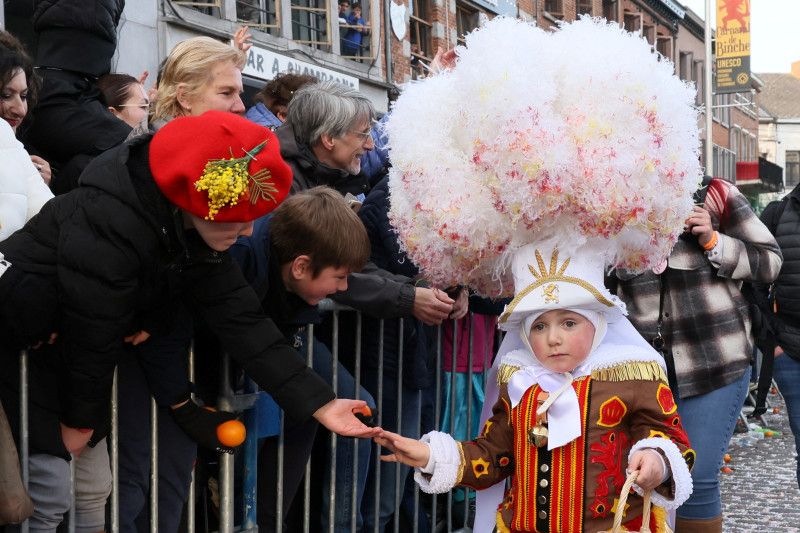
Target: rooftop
x,y
780,96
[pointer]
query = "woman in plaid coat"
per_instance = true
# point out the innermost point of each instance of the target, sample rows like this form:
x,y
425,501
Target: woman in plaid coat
x,y
696,306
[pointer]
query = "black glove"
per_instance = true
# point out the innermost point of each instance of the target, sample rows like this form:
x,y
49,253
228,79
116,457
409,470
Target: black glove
x,y
201,424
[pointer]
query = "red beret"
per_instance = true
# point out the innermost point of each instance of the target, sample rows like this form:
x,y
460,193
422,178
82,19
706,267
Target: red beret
x,y
219,166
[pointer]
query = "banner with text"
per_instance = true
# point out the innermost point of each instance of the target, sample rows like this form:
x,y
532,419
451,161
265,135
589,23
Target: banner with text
x,y
265,65
733,46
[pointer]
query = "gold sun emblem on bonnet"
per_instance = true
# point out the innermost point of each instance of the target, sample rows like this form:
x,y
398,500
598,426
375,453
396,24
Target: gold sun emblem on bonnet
x,y
547,276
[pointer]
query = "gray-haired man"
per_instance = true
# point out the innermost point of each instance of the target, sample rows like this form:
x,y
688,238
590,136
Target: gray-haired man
x,y
326,132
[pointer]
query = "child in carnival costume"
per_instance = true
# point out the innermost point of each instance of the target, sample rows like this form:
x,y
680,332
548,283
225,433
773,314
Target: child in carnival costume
x,y
539,171
579,405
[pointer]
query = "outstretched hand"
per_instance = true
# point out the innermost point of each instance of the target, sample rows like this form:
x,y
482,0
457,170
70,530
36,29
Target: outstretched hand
x,y
337,415
410,452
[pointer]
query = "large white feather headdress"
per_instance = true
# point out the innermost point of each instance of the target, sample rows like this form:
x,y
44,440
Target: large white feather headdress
x,y
579,136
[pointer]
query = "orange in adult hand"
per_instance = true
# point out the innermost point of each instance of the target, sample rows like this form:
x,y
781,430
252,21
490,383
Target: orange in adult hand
x,y
231,433
365,411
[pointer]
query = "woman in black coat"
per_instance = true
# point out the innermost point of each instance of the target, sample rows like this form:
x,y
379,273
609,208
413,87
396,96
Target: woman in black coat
x,y
112,258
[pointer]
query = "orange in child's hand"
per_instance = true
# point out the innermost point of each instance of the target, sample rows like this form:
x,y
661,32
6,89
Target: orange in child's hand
x,y
231,433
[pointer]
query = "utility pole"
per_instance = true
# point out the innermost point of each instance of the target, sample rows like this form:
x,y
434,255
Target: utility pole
x,y
709,148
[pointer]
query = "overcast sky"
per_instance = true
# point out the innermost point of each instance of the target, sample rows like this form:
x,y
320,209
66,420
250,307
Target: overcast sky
x,y
774,32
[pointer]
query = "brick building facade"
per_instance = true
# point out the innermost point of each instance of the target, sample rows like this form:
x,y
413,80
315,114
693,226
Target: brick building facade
x,y
398,38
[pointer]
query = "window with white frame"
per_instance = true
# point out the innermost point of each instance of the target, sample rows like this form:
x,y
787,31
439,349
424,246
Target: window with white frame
x,y
261,14
724,163
735,140
310,23
686,66
554,7
583,7
420,36
610,10
664,46
700,82
209,7
354,29
467,19
649,33
632,22
792,171
722,111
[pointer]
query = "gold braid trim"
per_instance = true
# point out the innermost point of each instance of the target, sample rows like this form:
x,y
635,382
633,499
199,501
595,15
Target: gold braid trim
x,y
649,371
462,463
505,372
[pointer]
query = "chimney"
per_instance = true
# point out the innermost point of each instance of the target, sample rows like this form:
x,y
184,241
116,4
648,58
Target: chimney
x,y
796,69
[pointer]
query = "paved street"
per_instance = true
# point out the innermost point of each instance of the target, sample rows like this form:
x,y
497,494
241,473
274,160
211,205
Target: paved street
x,y
762,494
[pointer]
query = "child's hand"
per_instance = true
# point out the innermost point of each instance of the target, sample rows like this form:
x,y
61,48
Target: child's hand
x,y
650,467
410,452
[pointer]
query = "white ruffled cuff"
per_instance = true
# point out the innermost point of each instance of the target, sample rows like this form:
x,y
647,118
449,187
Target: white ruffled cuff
x,y
677,465
443,465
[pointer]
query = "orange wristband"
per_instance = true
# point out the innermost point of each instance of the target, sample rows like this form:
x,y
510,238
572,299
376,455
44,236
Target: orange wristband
x,y
712,243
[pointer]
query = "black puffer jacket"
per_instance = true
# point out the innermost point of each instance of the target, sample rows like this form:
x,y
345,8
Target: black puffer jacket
x,y
111,258
783,220
77,35
76,40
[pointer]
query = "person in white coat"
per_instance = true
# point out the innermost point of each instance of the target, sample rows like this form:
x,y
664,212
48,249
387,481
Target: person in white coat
x,y
22,190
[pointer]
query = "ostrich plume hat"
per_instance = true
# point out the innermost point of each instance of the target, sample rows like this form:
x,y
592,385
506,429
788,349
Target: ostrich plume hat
x,y
545,279
590,140
220,167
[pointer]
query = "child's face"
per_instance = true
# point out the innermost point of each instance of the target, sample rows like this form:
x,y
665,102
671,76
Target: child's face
x,y
312,289
561,339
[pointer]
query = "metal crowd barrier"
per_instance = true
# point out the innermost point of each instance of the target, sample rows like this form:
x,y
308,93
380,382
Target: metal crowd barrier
x,y
244,520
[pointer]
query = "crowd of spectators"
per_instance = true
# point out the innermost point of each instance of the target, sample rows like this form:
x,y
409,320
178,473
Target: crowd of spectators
x,y
74,129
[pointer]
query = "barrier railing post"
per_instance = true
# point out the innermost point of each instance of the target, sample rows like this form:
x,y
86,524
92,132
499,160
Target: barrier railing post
x,y
225,403
71,512
468,434
379,403
153,466
437,410
357,371
332,462
190,503
24,426
114,456
452,413
279,487
415,527
307,482
397,466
